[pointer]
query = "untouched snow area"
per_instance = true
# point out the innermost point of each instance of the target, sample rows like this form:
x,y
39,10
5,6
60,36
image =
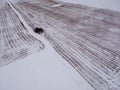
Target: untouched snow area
x,y
105,4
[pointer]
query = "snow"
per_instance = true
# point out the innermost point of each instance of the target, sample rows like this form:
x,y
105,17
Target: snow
x,y
105,4
116,30
40,71
45,70
57,5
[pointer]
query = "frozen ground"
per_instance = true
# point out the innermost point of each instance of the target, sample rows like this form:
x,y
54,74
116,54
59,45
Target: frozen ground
x,y
90,52
105,4
45,70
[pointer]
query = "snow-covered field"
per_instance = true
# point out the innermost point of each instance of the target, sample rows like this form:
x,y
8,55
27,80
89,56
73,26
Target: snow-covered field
x,y
47,70
105,4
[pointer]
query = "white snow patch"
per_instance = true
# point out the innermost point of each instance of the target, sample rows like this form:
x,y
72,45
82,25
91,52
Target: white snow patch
x,y
57,5
116,30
